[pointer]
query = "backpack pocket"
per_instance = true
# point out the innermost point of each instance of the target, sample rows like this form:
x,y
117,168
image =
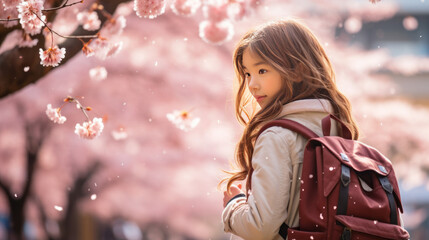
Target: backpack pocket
x,y
365,229
297,235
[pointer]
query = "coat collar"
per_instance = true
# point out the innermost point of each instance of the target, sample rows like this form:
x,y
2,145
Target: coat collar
x,y
306,105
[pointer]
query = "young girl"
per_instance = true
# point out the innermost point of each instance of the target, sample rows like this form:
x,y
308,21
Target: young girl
x,y
284,67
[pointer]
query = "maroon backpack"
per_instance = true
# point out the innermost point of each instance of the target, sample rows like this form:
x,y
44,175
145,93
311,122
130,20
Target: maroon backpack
x,y
348,189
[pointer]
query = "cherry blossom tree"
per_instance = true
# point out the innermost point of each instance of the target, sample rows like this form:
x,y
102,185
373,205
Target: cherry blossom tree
x,y
35,15
14,60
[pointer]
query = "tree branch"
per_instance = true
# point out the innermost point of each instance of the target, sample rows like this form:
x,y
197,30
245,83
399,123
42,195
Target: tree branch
x,y
63,5
12,62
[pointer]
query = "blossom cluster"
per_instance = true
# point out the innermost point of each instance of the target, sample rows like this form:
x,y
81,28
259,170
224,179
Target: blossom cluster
x,y
52,56
217,27
219,14
32,20
30,16
55,115
149,8
113,26
89,20
183,120
88,130
102,47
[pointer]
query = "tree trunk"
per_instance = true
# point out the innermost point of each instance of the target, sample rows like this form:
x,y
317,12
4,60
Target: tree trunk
x,y
17,218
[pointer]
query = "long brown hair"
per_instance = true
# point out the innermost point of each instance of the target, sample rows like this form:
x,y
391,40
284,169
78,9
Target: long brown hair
x,y
293,50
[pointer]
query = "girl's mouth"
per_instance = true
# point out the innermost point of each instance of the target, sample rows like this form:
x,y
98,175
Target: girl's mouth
x,y
259,98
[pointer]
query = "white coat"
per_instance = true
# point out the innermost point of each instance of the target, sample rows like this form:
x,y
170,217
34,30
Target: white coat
x,y
277,163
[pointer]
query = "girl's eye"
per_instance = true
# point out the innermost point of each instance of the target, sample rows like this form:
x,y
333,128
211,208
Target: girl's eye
x,y
262,71
247,75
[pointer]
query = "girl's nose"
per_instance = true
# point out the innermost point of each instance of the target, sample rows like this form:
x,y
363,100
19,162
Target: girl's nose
x,y
253,83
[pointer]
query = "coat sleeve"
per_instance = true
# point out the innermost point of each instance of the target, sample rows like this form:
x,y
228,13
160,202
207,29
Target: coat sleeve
x,y
266,208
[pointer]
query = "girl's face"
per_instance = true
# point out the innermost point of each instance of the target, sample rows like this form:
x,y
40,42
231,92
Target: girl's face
x,y
263,81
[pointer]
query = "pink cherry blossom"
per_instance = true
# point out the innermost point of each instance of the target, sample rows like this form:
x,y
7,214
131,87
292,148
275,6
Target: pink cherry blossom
x,y
98,73
104,49
28,9
52,56
374,1
216,10
54,114
185,7
26,41
31,16
99,43
183,120
217,33
33,26
114,26
89,20
100,46
149,8
90,129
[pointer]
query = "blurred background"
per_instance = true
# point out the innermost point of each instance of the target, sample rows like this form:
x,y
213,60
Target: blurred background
x,y
146,178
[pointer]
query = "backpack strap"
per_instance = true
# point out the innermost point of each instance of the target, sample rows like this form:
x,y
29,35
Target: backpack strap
x,y
326,127
387,186
291,125
343,196
283,230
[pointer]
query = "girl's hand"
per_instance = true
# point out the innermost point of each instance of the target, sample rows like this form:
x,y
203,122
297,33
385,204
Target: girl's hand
x,y
235,190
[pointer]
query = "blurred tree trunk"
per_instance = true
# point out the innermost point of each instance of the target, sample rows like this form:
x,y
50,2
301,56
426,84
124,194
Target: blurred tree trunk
x,y
36,133
68,223
12,62
78,192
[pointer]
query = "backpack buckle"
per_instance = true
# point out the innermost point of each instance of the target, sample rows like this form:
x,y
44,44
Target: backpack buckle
x,y
385,183
344,157
345,175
